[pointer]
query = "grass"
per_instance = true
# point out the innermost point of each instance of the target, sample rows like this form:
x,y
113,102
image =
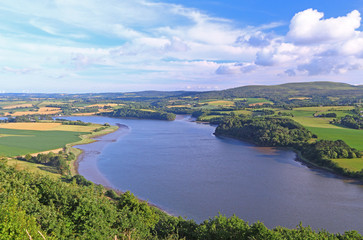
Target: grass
x,y
9,103
30,141
39,137
209,117
352,137
34,168
353,164
51,171
325,130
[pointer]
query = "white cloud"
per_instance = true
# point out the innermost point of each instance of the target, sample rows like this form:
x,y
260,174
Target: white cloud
x,y
18,70
126,43
308,27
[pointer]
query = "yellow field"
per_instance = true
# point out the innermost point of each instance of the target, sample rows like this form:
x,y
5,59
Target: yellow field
x,y
48,127
30,126
24,105
175,106
325,108
84,114
258,104
105,110
42,111
147,110
299,98
221,103
103,105
46,152
48,109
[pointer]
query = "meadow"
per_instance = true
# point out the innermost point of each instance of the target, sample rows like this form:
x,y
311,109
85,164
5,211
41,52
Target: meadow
x,y
324,129
354,164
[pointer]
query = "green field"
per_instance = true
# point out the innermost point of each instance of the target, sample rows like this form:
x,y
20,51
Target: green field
x,y
354,164
16,142
325,130
352,137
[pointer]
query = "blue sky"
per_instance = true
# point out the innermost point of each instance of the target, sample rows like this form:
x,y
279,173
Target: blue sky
x,y
134,45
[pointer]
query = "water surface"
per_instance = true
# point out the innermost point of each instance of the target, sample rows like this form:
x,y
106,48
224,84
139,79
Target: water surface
x,y
183,168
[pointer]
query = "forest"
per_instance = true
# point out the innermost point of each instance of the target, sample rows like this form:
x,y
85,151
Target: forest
x,y
75,208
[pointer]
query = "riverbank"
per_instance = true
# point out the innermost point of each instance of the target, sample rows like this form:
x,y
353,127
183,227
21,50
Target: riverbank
x,y
301,159
86,139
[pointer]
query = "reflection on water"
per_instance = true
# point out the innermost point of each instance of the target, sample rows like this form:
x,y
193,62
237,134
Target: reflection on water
x,y
183,168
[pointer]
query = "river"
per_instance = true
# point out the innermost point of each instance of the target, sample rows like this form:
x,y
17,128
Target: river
x,y
184,169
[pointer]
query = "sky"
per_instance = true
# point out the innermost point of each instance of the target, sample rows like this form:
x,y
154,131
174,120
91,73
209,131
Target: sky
x,y
74,46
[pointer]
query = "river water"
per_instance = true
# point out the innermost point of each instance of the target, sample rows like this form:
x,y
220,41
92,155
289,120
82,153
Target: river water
x,y
184,169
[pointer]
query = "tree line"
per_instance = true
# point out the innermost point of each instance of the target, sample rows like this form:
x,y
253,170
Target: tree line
x,y
140,114
58,161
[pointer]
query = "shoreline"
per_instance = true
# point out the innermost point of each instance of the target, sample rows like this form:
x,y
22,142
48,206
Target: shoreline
x,y
87,139
301,159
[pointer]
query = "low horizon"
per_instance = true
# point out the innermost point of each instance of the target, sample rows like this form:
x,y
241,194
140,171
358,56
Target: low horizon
x,y
154,90
129,46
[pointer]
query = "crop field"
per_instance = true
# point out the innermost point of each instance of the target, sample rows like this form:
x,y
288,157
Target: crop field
x,y
30,126
41,111
49,127
23,105
299,98
179,106
221,103
84,114
9,103
45,103
103,105
29,141
15,141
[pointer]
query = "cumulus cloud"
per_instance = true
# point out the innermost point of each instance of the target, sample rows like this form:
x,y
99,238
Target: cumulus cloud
x,y
314,46
308,27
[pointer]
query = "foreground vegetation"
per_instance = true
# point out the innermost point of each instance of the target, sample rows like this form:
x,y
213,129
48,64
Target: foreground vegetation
x,y
78,209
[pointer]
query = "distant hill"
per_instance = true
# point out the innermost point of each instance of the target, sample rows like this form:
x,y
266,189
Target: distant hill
x,y
289,90
272,92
